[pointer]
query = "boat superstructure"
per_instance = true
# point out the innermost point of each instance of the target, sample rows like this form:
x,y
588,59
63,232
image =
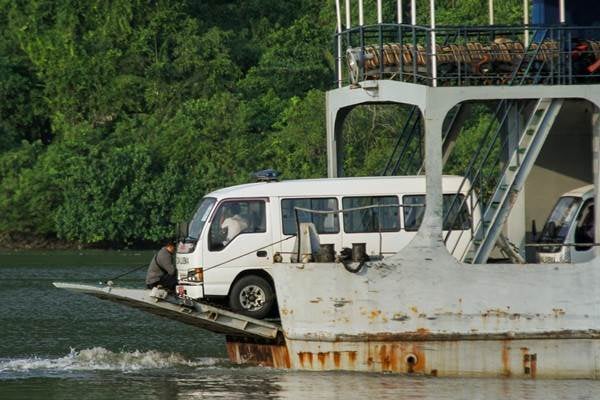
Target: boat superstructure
x,y
424,309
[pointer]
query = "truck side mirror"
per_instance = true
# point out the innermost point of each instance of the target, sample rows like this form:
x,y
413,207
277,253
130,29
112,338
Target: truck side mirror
x,y
533,230
182,230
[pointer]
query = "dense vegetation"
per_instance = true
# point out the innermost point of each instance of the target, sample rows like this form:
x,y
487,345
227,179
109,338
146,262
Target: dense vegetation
x,y
117,116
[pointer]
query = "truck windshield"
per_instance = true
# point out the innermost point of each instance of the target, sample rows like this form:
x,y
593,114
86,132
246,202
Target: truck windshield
x,y
200,217
560,220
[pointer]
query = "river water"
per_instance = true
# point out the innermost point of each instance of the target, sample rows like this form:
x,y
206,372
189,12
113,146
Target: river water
x,y
59,345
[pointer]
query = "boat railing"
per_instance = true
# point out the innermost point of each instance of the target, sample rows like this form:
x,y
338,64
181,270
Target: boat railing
x,y
468,55
379,230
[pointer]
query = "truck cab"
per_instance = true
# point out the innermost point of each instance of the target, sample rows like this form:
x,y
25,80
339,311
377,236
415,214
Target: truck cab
x,y
568,233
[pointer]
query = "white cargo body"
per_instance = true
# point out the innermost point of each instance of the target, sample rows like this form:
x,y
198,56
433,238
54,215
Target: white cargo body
x,y
210,263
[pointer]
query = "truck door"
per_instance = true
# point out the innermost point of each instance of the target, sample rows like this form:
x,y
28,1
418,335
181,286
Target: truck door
x,y
239,229
584,234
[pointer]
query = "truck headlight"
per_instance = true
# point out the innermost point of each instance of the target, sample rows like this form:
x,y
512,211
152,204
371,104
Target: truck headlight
x,y
196,275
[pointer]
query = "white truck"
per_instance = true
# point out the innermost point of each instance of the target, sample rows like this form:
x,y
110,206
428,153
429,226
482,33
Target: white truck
x,y
237,233
568,233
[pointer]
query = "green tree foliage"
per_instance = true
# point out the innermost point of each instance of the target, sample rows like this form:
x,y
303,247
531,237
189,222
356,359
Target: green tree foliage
x,y
118,116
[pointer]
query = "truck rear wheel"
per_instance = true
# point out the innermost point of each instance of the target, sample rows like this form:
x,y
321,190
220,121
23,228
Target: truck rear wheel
x,y
252,296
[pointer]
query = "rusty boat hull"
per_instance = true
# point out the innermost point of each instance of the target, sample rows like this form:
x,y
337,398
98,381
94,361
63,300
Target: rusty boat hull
x,y
423,312
544,358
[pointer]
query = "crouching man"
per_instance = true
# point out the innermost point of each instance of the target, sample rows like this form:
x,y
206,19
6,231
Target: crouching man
x,y
161,271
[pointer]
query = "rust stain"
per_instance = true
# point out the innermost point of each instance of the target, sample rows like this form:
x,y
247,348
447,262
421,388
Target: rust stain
x,y
422,332
352,358
385,359
374,314
268,355
305,358
558,312
395,356
284,311
414,309
316,300
505,358
340,302
495,312
421,361
434,372
336,359
400,317
533,365
322,357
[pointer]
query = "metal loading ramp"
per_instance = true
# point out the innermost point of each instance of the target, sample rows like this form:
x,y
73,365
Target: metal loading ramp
x,y
190,312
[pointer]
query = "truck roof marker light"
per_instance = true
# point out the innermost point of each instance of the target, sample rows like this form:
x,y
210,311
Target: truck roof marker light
x,y
266,175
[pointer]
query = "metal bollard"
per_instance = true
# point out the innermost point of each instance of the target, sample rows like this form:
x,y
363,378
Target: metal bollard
x,y
359,252
326,253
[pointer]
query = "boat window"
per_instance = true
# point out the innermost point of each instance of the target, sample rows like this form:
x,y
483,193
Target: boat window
x,y
584,233
384,219
234,218
325,223
560,220
200,217
457,218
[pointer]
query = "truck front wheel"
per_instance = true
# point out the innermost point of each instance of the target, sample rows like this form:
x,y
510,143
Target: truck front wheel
x,y
252,296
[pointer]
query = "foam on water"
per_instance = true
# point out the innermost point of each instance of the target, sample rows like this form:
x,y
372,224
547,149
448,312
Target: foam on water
x,y
99,358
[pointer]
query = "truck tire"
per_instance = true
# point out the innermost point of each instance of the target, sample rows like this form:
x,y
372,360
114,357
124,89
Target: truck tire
x,y
252,296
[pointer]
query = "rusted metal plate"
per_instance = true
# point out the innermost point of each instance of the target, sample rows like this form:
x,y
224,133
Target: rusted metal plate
x,y
524,359
264,354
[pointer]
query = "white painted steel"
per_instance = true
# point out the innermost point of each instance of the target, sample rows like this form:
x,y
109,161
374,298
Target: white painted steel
x,y
361,14
348,11
433,44
458,315
339,43
399,10
468,320
338,16
413,12
491,11
379,12
561,11
526,22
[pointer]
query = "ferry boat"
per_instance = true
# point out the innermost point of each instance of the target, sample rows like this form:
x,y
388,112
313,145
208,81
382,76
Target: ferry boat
x,y
422,310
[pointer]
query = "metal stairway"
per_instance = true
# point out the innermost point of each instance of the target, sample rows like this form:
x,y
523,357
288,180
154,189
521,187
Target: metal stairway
x,y
512,179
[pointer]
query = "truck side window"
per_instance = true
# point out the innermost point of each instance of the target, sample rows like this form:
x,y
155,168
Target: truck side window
x,y
325,223
459,218
384,219
584,231
234,218
413,216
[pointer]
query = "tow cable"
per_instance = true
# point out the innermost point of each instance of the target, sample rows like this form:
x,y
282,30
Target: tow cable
x,y
110,282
